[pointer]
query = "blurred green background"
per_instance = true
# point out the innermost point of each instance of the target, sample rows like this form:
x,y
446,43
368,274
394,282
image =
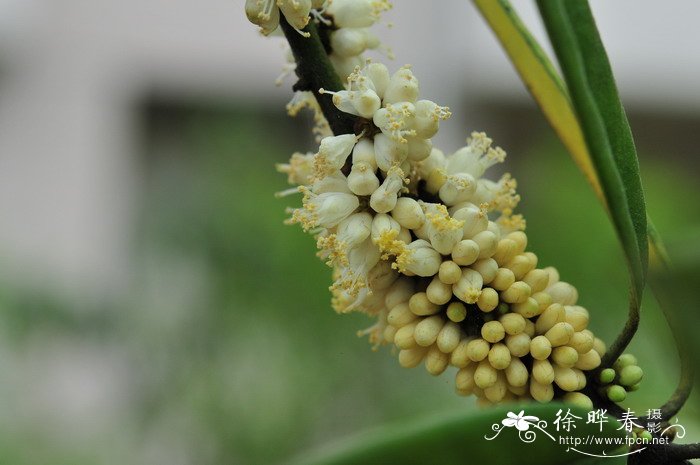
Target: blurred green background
x,y
226,348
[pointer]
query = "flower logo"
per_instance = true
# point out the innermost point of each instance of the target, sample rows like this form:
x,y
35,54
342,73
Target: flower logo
x,y
521,421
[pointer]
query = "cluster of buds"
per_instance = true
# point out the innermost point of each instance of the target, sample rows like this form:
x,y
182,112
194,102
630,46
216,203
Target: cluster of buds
x,y
624,376
431,249
266,13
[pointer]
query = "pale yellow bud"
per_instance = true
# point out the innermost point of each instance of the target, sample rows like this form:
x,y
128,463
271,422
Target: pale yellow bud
x,y
477,350
543,299
566,378
460,356
435,361
449,336
465,252
542,371
516,373
513,323
519,344
565,356
404,336
588,360
580,378
563,293
578,399
487,242
552,315
435,181
528,309
522,264
498,390
456,311
553,274
485,375
540,348
438,292
499,356
468,288
464,381
519,391
599,346
421,305
541,392
400,315
488,300
408,213
577,317
409,358
487,268
428,329
537,280
503,280
493,331
505,251
449,272
517,293
529,328
400,292
520,239
582,342
560,334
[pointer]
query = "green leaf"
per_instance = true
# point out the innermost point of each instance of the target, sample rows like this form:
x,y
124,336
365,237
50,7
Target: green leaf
x,y
595,99
542,81
460,439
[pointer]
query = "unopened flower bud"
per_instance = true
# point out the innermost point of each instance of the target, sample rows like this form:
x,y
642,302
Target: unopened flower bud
x,y
517,293
540,348
542,371
516,373
449,336
623,361
487,268
616,393
400,315
493,331
566,378
513,323
537,280
559,334
449,272
541,392
400,292
409,358
456,311
460,355
503,280
565,356
487,242
403,87
579,399
420,305
563,293
630,375
404,336
485,375
465,252
552,315
606,376
588,361
518,344
436,361
499,356
408,213
577,317
464,380
488,300
438,292
582,342
528,309
477,349
427,330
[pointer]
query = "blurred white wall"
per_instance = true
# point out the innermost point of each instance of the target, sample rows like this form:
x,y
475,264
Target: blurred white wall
x,y
72,70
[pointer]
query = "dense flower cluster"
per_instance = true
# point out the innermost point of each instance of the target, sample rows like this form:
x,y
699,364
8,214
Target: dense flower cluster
x,y
425,244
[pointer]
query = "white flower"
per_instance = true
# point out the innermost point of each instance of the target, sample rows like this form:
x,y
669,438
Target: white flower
x,y
350,233
266,13
384,198
332,153
325,210
388,152
403,87
418,258
356,13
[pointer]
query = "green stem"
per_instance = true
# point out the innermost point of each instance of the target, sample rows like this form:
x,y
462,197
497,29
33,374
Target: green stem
x,y
315,71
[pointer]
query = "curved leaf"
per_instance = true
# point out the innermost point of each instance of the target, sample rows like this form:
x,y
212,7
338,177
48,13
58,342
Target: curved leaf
x,y
542,81
459,439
